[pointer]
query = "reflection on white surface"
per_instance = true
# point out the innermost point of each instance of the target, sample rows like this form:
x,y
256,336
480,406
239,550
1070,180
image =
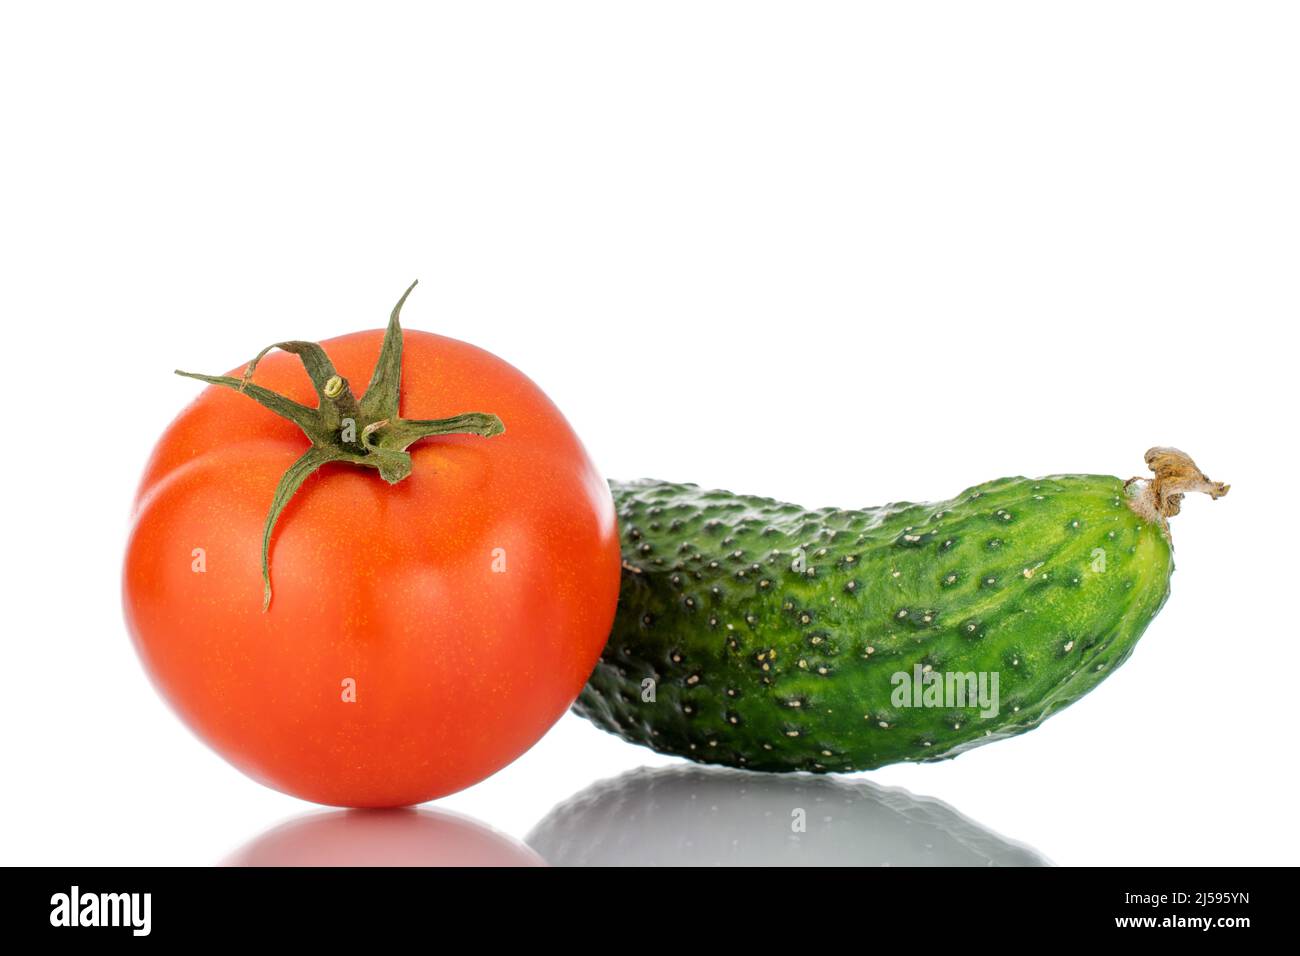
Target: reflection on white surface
x,y
697,816
383,838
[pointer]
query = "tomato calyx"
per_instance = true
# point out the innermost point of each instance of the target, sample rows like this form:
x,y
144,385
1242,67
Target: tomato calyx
x,y
368,431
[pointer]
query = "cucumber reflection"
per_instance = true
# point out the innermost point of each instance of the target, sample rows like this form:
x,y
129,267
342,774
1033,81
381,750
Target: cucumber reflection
x,y
697,816
404,837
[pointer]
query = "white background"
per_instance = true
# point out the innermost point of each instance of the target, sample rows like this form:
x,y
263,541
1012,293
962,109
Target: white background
x,y
836,253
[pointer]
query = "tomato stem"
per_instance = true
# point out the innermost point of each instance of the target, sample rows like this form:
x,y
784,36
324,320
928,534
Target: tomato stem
x,y
368,431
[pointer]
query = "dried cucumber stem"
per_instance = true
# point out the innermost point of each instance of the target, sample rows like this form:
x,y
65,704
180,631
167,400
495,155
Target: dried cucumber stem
x,y
1175,475
367,432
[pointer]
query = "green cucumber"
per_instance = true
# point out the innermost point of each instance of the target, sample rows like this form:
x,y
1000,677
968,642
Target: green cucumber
x,y
762,635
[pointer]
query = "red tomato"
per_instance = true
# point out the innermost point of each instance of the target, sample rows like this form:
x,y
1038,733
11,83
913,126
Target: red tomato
x,y
422,634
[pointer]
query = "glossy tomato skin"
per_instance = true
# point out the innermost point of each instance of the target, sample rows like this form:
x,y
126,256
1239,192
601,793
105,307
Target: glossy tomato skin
x,y
466,604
